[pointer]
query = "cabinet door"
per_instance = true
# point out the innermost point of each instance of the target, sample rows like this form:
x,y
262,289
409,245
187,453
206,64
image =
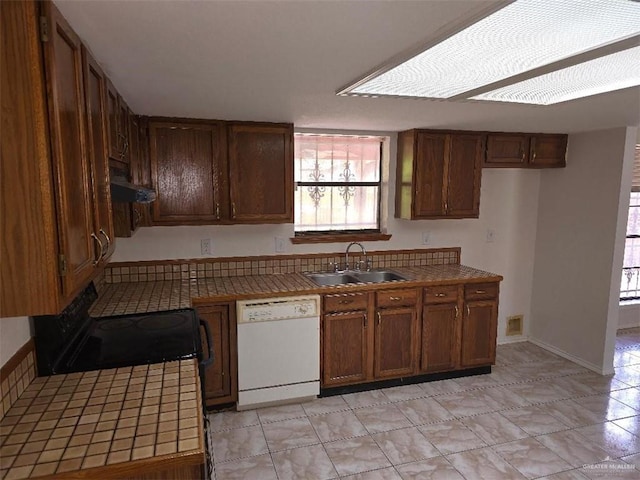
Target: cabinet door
x,y
429,194
440,332
261,173
479,333
344,348
63,64
113,122
123,130
548,151
95,95
218,376
395,342
464,174
505,150
186,172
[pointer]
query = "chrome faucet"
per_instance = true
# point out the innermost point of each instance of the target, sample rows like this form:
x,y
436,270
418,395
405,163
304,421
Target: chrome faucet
x,y
357,265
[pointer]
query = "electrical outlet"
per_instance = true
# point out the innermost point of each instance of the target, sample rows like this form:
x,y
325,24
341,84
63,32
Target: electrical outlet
x,y
426,236
280,245
491,235
206,246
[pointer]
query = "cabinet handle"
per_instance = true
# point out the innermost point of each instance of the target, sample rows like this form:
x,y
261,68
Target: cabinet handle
x,y
522,155
106,237
468,311
233,209
345,302
97,260
457,311
217,211
379,318
533,157
364,317
441,294
395,299
481,292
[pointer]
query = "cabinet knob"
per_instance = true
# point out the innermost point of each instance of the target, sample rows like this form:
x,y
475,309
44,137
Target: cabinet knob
x,y
345,302
457,311
364,317
441,294
481,292
395,299
217,211
233,209
379,318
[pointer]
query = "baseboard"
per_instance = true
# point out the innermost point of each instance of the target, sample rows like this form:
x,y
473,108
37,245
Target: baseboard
x,y
591,366
514,339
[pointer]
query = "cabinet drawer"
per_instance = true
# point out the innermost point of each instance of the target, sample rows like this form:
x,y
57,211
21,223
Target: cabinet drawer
x,y
395,298
480,291
443,294
345,302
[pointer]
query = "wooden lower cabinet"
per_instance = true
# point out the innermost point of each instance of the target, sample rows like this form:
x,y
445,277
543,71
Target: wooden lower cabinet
x,y
440,333
345,348
395,342
220,384
479,330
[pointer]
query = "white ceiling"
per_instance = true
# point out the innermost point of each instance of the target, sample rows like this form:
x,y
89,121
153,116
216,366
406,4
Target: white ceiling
x,y
283,60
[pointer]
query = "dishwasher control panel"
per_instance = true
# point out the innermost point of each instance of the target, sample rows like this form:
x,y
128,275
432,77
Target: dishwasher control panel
x,y
278,309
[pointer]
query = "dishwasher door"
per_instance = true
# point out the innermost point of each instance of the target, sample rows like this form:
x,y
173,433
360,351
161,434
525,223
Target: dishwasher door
x,y
278,350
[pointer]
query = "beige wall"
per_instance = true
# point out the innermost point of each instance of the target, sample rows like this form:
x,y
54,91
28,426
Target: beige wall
x,y
508,205
578,252
14,333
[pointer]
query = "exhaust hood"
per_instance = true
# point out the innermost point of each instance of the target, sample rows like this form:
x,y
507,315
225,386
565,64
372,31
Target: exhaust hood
x,y
123,191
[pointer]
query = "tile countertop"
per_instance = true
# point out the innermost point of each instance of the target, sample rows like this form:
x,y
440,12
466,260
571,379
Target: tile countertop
x,y
141,297
90,424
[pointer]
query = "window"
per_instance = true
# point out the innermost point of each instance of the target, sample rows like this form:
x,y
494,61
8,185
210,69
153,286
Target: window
x,y
338,180
630,285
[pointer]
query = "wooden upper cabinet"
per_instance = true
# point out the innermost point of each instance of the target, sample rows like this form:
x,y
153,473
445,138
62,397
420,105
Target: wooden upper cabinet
x,y
113,123
79,246
548,150
525,150
95,96
186,161
261,172
438,174
123,129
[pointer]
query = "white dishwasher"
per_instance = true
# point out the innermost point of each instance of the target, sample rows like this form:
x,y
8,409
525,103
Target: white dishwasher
x,y
278,350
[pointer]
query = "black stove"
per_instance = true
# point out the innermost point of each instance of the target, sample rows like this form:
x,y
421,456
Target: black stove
x,y
75,342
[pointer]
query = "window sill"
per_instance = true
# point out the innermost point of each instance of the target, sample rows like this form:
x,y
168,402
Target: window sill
x,y
341,237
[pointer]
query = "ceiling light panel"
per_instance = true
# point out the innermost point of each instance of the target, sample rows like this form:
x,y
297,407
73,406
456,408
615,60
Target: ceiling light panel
x,y
605,74
522,36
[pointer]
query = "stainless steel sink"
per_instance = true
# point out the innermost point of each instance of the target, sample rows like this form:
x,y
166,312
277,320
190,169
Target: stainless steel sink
x,y
377,276
343,278
324,279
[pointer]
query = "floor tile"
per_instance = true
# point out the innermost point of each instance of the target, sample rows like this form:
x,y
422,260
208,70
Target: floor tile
x,y
381,474
337,425
628,375
404,392
540,391
382,418
599,383
405,445
437,468
568,475
494,428
356,455
451,437
468,403
630,424
628,396
482,464
606,407
633,460
296,432
573,448
531,458
424,410
238,443
476,381
310,463
228,420
325,405
534,420
440,387
611,469
505,397
284,412
571,413
255,468
614,440
365,399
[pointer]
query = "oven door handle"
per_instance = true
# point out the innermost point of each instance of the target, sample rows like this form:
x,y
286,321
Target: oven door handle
x,y
207,330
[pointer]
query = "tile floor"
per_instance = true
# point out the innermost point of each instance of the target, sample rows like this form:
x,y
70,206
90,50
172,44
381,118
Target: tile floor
x,y
535,416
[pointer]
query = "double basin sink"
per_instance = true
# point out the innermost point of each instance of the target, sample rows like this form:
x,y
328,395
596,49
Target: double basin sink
x,y
355,276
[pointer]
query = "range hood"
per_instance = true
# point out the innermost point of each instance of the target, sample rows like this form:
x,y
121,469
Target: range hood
x,y
123,191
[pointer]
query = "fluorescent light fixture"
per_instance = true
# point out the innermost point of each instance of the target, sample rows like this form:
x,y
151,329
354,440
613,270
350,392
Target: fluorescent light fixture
x,y
522,39
605,74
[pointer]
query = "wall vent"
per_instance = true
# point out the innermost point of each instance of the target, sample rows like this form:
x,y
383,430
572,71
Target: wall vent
x,y
514,325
